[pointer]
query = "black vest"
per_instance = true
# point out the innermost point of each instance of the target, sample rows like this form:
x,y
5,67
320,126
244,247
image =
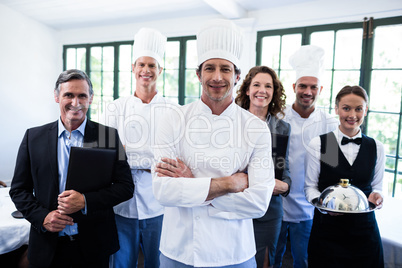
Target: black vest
x,y
334,165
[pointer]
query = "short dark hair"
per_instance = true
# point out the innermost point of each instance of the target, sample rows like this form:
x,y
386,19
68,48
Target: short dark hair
x,y
72,74
198,70
346,90
278,101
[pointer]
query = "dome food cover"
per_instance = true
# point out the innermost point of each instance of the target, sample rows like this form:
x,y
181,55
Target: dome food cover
x,y
343,198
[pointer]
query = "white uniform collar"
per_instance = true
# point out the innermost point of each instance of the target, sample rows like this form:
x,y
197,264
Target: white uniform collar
x,y
227,112
154,99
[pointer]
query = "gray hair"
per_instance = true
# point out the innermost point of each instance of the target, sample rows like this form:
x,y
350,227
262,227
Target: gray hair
x,y
72,74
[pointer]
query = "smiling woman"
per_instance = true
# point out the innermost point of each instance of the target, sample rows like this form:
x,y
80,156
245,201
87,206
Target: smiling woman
x,y
362,163
263,95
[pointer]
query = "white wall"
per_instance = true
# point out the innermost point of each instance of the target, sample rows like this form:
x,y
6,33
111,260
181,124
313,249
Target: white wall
x,y
30,61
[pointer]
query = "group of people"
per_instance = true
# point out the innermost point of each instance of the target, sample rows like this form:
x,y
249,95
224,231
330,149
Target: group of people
x,y
220,182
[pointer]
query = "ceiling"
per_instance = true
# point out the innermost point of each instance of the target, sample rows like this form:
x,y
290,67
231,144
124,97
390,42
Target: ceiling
x,y
63,15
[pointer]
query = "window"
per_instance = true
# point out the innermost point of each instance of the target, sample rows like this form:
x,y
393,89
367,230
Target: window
x,y
365,54
109,67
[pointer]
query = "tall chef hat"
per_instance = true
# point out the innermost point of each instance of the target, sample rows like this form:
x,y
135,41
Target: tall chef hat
x,y
150,43
219,39
308,61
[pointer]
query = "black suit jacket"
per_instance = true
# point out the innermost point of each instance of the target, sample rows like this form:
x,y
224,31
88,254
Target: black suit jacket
x,y
35,188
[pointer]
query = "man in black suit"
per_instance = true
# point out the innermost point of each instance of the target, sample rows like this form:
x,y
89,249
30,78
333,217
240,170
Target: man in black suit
x,y
69,228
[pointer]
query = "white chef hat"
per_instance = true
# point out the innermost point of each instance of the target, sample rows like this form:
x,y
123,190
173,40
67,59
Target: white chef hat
x,y
150,43
308,61
221,39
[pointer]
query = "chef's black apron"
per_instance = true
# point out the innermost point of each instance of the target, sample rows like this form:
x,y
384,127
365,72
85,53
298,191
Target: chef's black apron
x,y
348,240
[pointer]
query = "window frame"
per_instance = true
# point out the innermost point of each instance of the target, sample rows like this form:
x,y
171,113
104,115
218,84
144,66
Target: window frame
x,y
366,67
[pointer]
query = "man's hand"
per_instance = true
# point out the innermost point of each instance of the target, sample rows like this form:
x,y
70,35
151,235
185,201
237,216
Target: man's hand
x,y
280,187
56,222
236,183
376,199
70,202
173,168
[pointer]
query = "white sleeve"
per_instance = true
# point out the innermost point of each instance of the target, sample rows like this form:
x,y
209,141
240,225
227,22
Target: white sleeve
x,y
313,169
379,169
252,202
175,192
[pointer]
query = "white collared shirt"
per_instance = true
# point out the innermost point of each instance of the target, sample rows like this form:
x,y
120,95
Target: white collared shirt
x,y
136,122
219,232
350,151
295,206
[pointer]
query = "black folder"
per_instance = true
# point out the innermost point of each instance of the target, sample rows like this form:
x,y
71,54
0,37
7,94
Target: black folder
x,y
90,169
279,147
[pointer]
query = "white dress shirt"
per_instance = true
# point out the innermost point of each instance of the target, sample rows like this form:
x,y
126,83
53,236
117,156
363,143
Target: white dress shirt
x,y
350,151
218,232
295,206
136,122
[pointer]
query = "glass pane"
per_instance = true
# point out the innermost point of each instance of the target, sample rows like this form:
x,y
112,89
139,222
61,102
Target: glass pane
x,y
270,51
388,183
95,107
400,144
390,163
385,90
81,58
106,100
125,57
288,78
193,87
96,79
191,54
96,58
343,78
160,83
387,47
124,84
348,49
171,83
325,40
172,55
324,100
398,185
173,99
108,84
108,58
384,127
71,57
189,100
290,43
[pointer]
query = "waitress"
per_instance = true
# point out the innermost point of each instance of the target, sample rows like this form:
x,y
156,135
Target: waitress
x,y
263,95
346,240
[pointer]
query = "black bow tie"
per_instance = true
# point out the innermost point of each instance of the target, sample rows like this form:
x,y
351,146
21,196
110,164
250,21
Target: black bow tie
x,y
345,140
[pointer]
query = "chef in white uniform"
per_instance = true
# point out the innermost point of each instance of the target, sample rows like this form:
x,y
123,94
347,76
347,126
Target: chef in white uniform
x,y
306,121
224,175
139,220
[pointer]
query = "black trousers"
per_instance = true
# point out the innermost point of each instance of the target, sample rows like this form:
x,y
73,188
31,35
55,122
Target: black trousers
x,y
69,255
